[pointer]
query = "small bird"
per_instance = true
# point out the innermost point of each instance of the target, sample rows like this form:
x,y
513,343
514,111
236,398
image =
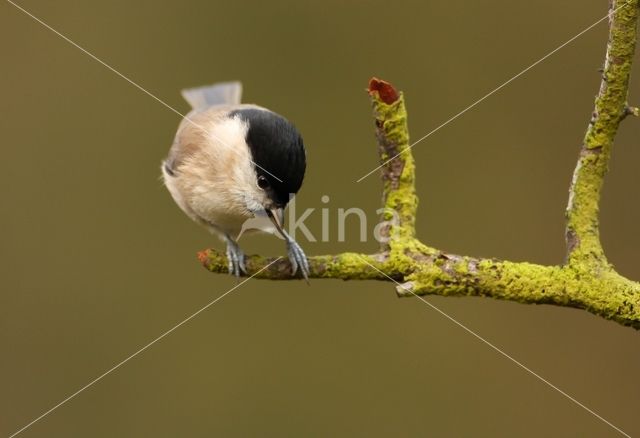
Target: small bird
x,y
232,162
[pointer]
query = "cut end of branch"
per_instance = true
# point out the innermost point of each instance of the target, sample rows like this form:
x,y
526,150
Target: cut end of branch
x,y
387,92
203,257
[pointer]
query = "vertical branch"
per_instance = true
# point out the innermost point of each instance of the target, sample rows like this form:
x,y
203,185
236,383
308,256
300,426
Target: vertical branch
x,y
398,169
582,231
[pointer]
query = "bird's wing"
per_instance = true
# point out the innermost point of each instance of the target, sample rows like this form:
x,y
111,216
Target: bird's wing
x,y
223,93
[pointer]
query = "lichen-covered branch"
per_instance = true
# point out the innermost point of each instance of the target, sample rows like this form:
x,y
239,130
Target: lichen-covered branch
x,y
607,294
586,281
583,238
398,169
345,266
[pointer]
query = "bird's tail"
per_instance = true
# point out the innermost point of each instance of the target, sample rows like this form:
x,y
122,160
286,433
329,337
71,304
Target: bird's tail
x,y
223,93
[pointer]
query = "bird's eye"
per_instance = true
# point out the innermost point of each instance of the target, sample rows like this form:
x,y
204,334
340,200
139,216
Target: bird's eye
x,y
263,182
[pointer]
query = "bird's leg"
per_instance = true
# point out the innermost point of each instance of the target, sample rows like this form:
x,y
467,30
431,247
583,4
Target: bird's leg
x,y
297,258
235,257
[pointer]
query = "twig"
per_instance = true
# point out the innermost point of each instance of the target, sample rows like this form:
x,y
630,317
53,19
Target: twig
x,y
584,250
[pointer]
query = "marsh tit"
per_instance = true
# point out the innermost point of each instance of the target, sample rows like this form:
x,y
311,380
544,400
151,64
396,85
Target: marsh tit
x,y
232,162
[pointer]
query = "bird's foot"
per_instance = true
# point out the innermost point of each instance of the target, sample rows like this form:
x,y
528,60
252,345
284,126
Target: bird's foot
x,y
235,258
298,259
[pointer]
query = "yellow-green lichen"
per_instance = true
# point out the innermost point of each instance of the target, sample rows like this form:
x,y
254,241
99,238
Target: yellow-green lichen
x,y
399,173
583,238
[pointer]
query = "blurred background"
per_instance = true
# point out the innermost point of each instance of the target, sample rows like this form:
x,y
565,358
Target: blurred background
x,y
96,260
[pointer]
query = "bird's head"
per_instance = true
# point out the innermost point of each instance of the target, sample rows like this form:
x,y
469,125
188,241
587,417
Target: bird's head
x,y
278,161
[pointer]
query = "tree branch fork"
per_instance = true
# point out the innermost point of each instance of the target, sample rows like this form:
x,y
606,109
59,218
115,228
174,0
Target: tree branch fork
x,y
586,281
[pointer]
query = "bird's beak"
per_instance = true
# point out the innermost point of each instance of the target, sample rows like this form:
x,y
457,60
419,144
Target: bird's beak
x,y
277,217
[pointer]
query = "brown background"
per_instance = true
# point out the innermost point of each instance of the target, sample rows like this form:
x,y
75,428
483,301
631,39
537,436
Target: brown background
x,y
96,260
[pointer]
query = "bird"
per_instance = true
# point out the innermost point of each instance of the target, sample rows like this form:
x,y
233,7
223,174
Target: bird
x,y
231,163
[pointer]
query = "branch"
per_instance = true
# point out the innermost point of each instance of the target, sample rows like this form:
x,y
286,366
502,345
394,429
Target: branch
x,y
345,266
398,168
586,281
584,250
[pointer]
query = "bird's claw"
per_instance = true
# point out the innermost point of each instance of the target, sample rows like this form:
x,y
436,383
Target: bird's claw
x,y
298,259
235,258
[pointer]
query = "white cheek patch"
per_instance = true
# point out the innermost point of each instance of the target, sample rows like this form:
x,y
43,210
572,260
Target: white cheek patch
x,y
230,147
227,132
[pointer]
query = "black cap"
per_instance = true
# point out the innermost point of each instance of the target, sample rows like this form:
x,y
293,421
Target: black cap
x,y
278,151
